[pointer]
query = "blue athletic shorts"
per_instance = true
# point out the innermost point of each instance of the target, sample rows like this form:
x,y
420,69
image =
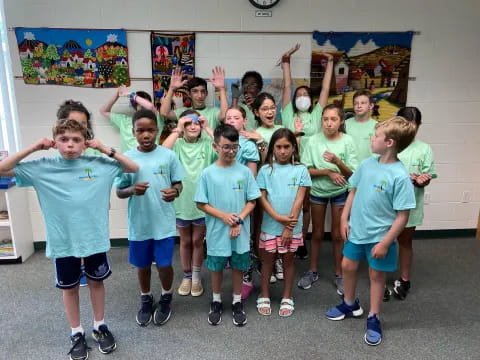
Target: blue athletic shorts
x,y
68,270
142,253
357,252
185,223
338,200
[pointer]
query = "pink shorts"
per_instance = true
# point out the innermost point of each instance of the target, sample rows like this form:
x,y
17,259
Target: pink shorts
x,y
273,243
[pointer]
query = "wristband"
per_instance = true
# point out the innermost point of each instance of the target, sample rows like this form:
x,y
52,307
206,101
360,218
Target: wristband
x,y
132,96
178,192
261,145
239,220
112,152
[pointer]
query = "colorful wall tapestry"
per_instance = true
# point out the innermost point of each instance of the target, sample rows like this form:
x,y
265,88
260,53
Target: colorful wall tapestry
x,y
168,52
375,61
87,58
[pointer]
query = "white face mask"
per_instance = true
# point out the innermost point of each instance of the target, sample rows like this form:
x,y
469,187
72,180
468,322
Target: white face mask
x,y
303,103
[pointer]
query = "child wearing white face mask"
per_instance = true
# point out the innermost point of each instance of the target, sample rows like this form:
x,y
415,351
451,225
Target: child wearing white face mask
x,y
301,112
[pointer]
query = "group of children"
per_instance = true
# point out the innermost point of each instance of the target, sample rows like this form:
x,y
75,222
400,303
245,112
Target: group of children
x,y
217,168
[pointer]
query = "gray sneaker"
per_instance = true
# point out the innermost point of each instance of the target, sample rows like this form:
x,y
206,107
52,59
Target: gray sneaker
x,y
307,280
338,282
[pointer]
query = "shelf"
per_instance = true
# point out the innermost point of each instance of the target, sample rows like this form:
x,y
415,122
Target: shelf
x,y
4,223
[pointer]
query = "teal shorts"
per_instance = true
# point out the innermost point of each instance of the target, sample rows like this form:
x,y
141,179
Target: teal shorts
x,y
357,252
237,262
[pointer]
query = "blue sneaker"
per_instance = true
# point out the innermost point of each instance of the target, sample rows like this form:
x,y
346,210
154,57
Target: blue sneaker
x,y
342,311
373,335
83,281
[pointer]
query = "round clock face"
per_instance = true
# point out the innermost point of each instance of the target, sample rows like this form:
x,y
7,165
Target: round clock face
x,y
264,4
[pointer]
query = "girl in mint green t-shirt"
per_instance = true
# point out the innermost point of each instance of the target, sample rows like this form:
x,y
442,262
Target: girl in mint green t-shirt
x,y
330,157
195,153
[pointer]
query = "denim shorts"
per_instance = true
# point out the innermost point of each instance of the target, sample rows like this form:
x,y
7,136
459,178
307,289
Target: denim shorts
x,y
357,252
237,262
68,270
184,223
141,254
338,200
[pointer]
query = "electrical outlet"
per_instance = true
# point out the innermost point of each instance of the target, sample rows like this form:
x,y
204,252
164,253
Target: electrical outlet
x,y
467,196
427,198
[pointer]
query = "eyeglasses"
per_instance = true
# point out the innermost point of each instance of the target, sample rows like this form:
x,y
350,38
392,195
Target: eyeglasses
x,y
250,84
266,108
233,147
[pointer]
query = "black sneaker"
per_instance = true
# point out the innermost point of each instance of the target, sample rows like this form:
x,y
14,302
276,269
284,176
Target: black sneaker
x,y
387,293
239,316
164,310
215,314
401,289
104,338
144,315
301,253
79,350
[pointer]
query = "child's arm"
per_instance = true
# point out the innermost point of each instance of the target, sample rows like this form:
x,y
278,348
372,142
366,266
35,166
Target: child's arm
x,y
169,194
344,228
218,81
421,180
107,108
334,159
175,83
129,166
205,126
145,104
285,220
7,165
294,213
136,189
380,250
228,218
169,142
337,179
327,78
287,76
247,209
253,167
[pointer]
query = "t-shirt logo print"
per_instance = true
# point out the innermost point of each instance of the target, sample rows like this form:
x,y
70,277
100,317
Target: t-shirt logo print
x,y
294,184
238,186
416,167
161,170
101,270
89,175
201,156
382,187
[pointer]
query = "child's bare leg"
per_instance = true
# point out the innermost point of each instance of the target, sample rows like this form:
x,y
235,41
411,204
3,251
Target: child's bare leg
x,y
217,278
337,241
377,288
306,214
237,280
186,247
144,276
288,273
318,228
405,252
97,297
350,269
165,273
198,234
268,259
71,303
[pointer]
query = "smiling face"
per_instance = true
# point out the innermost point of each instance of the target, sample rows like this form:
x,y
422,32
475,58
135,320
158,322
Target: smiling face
x,y
331,122
146,131
198,94
192,130
250,87
235,118
266,113
70,144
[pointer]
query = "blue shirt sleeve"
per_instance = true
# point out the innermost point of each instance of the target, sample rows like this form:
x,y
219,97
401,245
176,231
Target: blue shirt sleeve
x,y
250,153
201,193
404,195
261,181
123,181
25,172
305,179
253,192
177,173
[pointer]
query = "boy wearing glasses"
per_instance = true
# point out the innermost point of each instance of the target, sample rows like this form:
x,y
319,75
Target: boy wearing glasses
x,y
226,193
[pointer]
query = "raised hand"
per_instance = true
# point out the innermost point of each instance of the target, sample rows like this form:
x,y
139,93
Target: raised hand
x,y
123,91
218,77
176,79
287,54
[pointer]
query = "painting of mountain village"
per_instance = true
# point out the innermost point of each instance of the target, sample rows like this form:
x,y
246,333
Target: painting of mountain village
x,y
378,62
85,58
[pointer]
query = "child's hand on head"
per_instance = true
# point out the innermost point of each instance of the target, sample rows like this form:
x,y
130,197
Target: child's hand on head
x,y
337,179
140,188
44,144
123,91
182,121
330,157
202,120
168,194
94,144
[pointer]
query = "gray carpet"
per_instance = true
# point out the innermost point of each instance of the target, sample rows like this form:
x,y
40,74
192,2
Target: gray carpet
x,y
438,320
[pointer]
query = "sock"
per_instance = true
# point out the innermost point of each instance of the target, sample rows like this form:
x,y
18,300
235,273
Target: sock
x,y
217,297
187,274
196,273
78,329
96,324
164,292
349,302
236,298
147,293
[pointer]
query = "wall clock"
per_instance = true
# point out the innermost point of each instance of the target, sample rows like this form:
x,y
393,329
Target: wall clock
x,y
264,4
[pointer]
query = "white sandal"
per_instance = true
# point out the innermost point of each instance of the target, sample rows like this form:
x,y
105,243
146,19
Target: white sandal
x,y
264,303
286,304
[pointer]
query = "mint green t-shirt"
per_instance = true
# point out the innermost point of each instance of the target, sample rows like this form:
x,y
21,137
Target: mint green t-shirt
x,y
418,159
381,191
194,157
344,148
247,152
268,132
361,134
209,112
74,196
150,217
282,185
228,190
251,122
123,123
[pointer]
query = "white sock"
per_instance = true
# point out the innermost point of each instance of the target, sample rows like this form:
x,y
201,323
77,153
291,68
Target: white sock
x,y
196,273
236,298
217,297
96,324
147,293
78,329
169,291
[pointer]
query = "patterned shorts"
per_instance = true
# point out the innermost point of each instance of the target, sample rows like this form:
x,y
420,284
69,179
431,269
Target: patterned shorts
x,y
273,243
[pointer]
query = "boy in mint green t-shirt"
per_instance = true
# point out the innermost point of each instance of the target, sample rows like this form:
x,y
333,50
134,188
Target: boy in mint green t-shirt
x,y
151,215
226,193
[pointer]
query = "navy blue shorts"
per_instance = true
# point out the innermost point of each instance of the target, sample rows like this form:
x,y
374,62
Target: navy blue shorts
x,y
142,253
338,200
68,270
